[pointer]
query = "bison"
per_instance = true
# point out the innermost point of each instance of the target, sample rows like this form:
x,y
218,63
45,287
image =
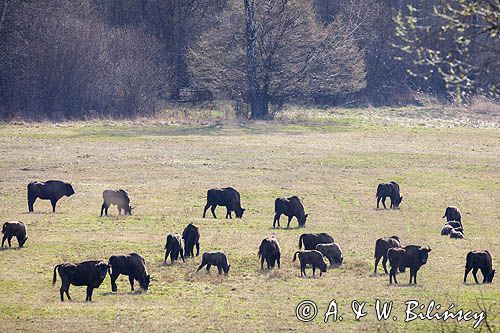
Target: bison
x,y
173,247
88,273
446,229
390,190
191,236
218,259
412,256
311,240
332,252
452,213
52,190
479,260
119,198
132,265
14,228
457,233
381,247
454,224
310,257
228,197
270,251
291,207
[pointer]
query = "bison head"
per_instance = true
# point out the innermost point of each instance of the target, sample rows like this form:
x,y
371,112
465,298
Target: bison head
x,y
424,254
489,277
69,190
145,283
302,221
239,212
21,242
397,202
102,269
322,267
226,269
128,210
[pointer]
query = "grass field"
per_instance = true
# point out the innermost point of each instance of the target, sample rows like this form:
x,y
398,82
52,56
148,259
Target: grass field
x,y
334,161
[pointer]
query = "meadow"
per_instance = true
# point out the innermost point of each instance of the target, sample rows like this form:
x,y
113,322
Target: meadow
x,y
332,159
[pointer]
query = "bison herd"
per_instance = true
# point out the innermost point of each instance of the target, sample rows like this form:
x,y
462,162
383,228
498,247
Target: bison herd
x,y
317,246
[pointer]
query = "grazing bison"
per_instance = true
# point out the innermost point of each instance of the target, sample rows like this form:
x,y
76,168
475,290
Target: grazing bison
x,y
290,207
412,256
119,198
452,213
390,190
191,236
52,190
132,265
87,273
457,233
479,260
270,251
14,228
311,240
332,252
173,247
218,259
228,197
310,257
446,229
381,247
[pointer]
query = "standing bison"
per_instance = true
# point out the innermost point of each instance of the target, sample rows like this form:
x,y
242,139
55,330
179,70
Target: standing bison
x,y
269,250
452,213
52,190
310,257
291,207
191,236
173,247
14,228
390,190
381,247
119,198
479,260
311,240
228,197
412,256
132,265
218,259
87,273
332,252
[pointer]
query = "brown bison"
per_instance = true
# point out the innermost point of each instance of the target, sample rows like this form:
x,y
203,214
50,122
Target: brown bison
x,y
52,190
390,190
412,256
381,247
479,260
270,251
132,265
291,207
87,273
310,257
228,197
119,198
311,240
218,259
452,213
332,252
191,236
173,247
14,228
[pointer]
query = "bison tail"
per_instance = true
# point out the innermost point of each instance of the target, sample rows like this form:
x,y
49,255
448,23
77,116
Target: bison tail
x,y
300,241
4,227
295,255
54,277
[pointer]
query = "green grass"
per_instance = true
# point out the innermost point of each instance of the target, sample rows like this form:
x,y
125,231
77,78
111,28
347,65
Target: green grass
x,y
332,159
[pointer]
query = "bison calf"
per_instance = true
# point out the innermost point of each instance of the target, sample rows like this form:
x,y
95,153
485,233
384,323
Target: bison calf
x,y
191,236
311,240
14,228
332,252
291,207
52,190
270,251
119,198
218,259
457,233
412,256
132,265
390,190
479,260
381,247
173,247
227,197
310,257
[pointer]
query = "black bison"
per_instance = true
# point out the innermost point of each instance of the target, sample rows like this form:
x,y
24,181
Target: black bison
x,y
218,259
412,256
310,257
390,190
479,260
457,233
14,228
191,236
228,197
269,250
381,247
52,190
332,252
311,240
173,247
132,265
87,273
452,213
446,229
291,207
119,198
455,224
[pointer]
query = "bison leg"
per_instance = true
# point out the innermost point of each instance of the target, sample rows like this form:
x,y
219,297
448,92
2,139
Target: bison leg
x,y
474,273
276,219
314,270
289,220
330,259
53,202
467,270
67,293
205,209
31,202
377,259
201,265
383,202
262,263
484,272
3,239
392,275
378,201
197,248
384,263
89,293
208,267
219,268
182,255
167,251
228,212
113,277
303,269
212,209
131,280
278,260
104,208
9,239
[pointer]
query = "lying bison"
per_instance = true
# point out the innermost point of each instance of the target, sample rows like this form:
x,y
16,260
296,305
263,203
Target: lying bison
x,y
412,256
269,250
332,252
218,259
14,228
381,247
457,233
479,260
452,213
119,198
132,265
310,257
446,229
291,207
228,197
311,240
191,236
173,247
87,273
390,190
52,190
